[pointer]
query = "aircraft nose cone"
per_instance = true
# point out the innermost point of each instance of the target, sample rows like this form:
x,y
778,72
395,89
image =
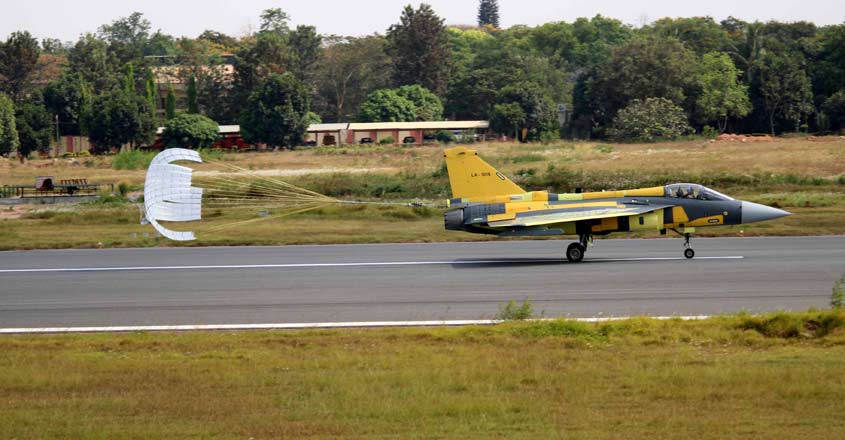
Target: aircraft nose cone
x,y
755,212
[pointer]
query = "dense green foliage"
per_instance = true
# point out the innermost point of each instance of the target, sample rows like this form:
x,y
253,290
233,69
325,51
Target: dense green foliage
x,y
8,130
118,118
731,75
405,104
387,106
649,120
190,130
276,114
18,61
419,48
34,125
488,13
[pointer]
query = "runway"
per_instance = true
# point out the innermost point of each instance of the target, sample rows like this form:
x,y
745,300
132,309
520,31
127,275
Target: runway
x,y
412,282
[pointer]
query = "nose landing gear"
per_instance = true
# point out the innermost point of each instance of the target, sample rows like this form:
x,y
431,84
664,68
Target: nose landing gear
x,y
689,253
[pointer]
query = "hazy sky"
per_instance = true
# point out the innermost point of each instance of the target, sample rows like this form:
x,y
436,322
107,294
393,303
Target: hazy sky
x,y
67,19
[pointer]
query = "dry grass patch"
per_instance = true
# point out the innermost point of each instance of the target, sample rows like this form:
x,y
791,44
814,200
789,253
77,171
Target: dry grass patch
x,y
729,377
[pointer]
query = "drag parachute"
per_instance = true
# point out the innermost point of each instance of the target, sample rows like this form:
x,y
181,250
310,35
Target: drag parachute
x,y
168,194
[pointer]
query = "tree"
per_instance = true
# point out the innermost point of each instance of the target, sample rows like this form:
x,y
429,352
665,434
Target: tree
x,y
190,131
90,58
275,114
8,130
427,106
700,34
118,118
419,48
348,71
537,115
387,105
52,46
649,120
834,109
129,78
786,90
127,36
722,96
151,93
191,92
305,47
211,91
648,67
18,61
506,117
253,63
69,98
170,103
274,20
34,125
488,13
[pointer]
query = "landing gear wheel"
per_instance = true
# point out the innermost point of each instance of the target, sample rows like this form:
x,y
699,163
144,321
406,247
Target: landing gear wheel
x,y
575,252
689,253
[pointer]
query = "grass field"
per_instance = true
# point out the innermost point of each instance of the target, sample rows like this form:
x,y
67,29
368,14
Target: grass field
x,y
806,177
777,376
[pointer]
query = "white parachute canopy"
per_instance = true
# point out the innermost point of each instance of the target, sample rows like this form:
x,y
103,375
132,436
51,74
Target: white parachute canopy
x,y
168,194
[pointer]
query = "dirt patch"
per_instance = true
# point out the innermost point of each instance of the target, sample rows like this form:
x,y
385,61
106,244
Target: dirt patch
x,y
298,172
727,137
15,212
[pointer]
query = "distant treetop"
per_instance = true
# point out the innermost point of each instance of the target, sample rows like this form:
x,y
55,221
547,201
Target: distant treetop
x,y
488,13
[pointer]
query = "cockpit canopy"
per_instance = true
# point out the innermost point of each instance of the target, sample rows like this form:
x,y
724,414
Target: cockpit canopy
x,y
694,191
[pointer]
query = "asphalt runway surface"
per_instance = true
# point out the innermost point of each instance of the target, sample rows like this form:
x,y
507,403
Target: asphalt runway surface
x,y
399,282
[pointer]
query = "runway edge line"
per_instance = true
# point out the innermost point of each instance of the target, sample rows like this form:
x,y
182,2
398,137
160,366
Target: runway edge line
x,y
305,326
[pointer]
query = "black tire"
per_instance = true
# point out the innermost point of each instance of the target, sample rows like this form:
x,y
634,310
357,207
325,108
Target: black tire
x,y
689,253
575,252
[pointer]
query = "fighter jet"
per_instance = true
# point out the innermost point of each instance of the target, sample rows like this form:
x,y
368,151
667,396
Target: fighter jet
x,y
485,201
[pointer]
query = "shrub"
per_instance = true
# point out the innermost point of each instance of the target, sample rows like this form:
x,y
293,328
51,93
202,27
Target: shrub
x,y
547,137
709,132
445,136
513,312
837,298
649,120
190,131
387,140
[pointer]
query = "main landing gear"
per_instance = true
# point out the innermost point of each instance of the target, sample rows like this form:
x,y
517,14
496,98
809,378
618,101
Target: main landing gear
x,y
575,251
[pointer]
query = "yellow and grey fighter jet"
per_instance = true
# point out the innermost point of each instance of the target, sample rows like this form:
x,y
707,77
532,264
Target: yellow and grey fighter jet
x,y
485,201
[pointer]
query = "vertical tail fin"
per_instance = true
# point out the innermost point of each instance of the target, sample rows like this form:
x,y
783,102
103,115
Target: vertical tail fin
x,y
470,176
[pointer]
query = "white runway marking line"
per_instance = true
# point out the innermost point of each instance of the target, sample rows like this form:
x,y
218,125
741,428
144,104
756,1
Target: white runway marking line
x,y
303,326
307,265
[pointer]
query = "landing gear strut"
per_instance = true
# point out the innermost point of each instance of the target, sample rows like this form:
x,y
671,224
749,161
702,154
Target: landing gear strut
x,y
575,252
688,252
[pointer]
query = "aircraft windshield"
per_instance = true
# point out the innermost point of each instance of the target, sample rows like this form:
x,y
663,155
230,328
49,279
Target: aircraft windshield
x,y
693,191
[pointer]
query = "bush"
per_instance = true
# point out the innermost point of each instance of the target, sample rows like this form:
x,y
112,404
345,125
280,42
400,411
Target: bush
x,y
445,136
837,299
650,120
387,140
547,137
709,132
513,312
190,131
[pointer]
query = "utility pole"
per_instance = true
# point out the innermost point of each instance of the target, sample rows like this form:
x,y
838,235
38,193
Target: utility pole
x,y
58,136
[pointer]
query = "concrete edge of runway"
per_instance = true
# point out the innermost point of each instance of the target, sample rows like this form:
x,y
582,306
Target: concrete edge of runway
x,y
313,325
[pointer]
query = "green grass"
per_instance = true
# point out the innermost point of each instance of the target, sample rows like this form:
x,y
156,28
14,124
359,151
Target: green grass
x,y
731,377
133,160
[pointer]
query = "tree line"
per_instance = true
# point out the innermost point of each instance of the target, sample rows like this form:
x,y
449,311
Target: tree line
x,y
669,78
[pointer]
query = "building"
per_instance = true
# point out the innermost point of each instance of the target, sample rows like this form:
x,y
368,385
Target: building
x,y
401,132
